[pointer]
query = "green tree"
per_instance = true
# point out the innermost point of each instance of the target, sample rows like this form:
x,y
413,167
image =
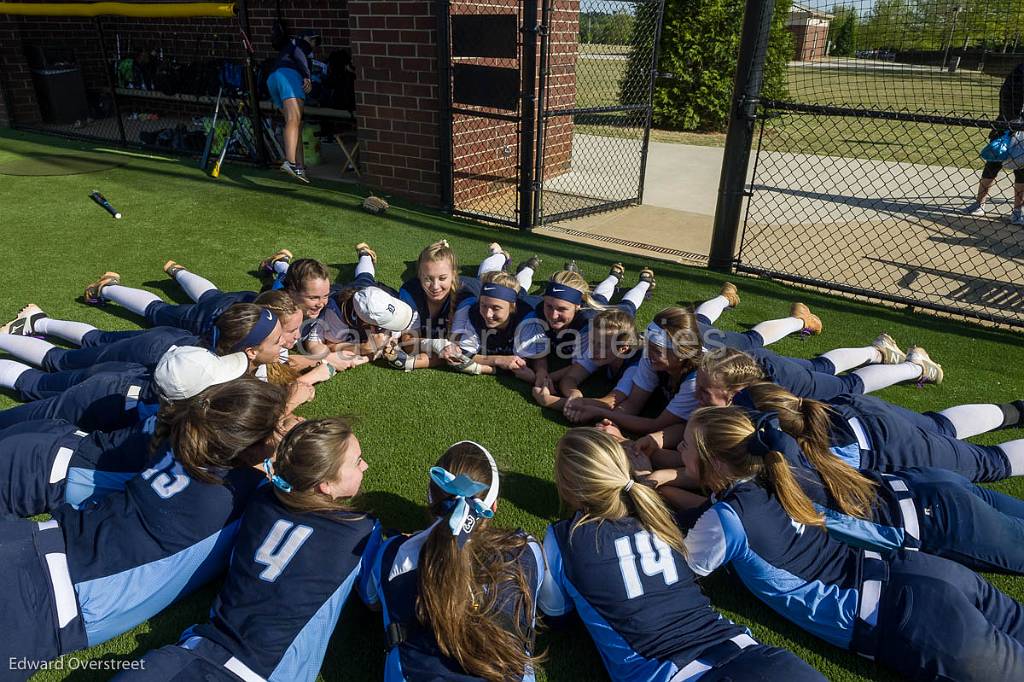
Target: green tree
x,y
842,32
699,46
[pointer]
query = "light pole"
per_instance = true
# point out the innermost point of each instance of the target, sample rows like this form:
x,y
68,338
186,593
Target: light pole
x,y
956,10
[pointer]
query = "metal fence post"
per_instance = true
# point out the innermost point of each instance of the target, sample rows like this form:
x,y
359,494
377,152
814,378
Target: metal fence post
x,y
757,22
255,115
528,114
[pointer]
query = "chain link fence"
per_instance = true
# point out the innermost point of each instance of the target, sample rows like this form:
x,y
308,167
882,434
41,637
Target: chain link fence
x,y
550,105
867,175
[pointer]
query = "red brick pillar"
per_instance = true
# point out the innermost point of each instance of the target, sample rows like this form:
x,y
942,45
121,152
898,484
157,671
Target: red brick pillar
x,y
394,51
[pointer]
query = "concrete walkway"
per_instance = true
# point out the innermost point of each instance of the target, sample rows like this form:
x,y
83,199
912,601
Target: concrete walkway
x,y
888,226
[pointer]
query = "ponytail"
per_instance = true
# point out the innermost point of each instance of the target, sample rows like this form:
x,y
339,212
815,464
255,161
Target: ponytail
x,y
730,369
460,587
791,496
809,422
593,476
723,439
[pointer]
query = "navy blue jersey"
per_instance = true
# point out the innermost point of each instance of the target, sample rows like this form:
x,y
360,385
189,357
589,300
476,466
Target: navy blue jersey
x,y
635,594
885,528
439,326
136,552
522,334
45,464
197,318
395,585
289,578
799,571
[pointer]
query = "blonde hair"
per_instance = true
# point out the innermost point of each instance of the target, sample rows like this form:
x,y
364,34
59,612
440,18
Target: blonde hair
x,y
575,280
593,476
616,324
809,422
730,369
721,436
459,589
277,302
441,251
309,455
682,328
501,278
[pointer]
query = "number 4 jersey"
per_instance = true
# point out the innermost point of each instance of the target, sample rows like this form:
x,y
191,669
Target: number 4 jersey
x,y
635,594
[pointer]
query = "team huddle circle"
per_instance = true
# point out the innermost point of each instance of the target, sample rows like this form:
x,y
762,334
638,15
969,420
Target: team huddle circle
x,y
169,457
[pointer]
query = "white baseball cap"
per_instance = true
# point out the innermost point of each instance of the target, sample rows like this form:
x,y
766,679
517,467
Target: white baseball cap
x,y
186,371
379,308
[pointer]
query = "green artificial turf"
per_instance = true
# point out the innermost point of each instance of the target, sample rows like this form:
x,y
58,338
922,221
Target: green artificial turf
x,y
56,240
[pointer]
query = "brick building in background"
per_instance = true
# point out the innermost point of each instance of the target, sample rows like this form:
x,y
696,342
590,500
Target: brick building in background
x,y
394,48
810,32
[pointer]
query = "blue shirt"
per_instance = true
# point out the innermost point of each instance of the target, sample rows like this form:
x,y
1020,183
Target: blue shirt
x,y
138,551
290,576
636,595
799,571
395,585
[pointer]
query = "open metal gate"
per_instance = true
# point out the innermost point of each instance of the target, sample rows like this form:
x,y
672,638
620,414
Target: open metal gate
x,y
545,106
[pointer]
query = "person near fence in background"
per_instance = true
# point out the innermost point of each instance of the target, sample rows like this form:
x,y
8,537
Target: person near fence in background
x,y
289,83
1011,107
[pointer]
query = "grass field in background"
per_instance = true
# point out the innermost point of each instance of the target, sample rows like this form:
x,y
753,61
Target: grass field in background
x,y
57,240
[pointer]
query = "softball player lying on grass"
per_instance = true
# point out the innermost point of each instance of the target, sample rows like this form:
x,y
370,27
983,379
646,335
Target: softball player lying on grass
x,y
669,372
620,563
301,549
86,576
923,616
459,598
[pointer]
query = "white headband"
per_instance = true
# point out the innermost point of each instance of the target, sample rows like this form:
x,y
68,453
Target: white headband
x,y
658,336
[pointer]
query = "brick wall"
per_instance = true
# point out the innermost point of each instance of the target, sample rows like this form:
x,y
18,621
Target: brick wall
x,y
394,50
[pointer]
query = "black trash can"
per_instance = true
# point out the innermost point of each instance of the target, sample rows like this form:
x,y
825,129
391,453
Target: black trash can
x,y
60,93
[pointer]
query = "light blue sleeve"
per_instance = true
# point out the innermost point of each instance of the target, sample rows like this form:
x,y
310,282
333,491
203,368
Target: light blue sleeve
x,y
531,339
684,402
716,539
464,332
553,599
645,378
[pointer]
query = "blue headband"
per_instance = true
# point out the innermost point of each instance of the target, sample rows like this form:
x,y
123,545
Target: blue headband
x,y
564,293
768,436
278,482
259,332
465,509
499,291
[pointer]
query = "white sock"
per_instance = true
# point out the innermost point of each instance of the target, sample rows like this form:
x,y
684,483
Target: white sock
x,y
493,263
970,420
365,264
25,348
774,330
281,267
714,308
63,329
525,278
135,300
1014,451
194,285
877,377
606,289
847,358
10,370
637,294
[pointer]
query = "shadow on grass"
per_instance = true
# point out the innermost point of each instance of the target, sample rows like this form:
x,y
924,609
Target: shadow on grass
x,y
395,512
537,496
